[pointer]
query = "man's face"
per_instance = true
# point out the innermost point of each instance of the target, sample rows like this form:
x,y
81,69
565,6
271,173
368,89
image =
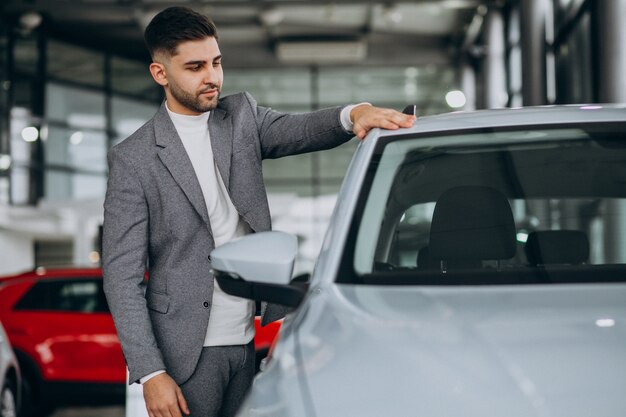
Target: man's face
x,y
194,77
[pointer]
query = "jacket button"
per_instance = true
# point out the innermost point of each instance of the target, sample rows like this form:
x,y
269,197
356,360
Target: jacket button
x,y
206,304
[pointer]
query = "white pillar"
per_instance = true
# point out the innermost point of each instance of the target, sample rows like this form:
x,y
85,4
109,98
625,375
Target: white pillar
x,y
495,66
16,253
468,86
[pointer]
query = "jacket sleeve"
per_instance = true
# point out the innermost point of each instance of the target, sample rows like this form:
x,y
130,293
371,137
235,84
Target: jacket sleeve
x,y
283,134
124,254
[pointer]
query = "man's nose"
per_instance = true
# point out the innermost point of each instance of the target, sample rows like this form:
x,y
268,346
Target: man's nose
x,y
210,75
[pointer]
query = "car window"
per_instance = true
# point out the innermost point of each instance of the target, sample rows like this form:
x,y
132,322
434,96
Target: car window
x,y
76,295
538,205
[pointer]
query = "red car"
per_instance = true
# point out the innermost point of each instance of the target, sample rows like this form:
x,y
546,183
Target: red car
x,y
64,338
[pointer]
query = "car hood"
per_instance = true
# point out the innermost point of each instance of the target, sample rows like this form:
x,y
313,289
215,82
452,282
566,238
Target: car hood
x,y
479,351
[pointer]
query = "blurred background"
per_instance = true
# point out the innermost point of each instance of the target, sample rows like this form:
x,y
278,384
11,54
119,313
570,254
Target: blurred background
x,y
74,81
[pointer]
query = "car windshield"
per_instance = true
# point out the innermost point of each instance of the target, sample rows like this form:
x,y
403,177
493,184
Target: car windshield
x,y
499,206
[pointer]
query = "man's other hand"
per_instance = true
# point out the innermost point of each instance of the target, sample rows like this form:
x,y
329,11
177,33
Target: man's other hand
x,y
163,397
366,117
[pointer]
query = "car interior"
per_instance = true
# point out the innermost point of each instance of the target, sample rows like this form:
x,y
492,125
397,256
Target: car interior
x,y
491,214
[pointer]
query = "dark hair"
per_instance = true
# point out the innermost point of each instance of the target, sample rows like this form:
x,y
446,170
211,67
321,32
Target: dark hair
x,y
175,25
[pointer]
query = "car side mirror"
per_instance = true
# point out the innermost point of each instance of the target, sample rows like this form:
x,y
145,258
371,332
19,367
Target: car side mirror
x,y
259,267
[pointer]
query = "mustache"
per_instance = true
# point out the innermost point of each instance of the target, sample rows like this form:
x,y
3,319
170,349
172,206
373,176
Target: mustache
x,y
211,87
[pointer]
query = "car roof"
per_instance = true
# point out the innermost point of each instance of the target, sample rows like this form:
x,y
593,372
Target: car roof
x,y
42,273
509,117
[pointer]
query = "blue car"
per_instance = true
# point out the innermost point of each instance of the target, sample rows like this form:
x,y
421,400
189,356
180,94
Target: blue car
x,y
475,265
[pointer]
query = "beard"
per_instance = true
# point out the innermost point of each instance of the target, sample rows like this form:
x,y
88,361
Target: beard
x,y
195,102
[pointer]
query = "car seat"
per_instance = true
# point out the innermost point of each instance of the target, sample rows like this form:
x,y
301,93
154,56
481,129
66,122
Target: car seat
x,y
557,247
471,224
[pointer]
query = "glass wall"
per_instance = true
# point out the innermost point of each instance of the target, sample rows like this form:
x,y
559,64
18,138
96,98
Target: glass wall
x,y
129,114
78,102
66,106
74,64
306,89
132,78
75,143
289,90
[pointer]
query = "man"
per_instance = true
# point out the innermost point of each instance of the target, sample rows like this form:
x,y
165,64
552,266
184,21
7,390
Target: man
x,y
187,181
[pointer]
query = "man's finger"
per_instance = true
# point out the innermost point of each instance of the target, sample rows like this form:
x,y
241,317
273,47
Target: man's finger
x,y
407,121
174,411
363,131
182,403
381,123
170,410
401,119
157,412
383,120
388,124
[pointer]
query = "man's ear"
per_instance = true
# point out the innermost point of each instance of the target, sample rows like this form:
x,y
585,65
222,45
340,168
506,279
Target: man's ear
x,y
158,73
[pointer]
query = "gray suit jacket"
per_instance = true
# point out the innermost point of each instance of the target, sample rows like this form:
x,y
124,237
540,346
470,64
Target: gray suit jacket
x,y
155,215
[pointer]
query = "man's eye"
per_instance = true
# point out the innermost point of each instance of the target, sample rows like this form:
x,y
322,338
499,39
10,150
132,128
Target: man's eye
x,y
217,63
195,68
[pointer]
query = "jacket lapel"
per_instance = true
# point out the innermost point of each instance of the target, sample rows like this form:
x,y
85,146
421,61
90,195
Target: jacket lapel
x,y
175,158
221,132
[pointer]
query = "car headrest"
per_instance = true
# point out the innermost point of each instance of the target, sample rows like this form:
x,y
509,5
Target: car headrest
x,y
470,223
423,258
557,247
425,262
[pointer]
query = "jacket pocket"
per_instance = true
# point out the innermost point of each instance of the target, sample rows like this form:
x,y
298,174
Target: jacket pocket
x,y
158,302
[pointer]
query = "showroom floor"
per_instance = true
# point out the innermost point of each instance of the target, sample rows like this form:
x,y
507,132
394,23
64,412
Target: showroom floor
x,y
117,411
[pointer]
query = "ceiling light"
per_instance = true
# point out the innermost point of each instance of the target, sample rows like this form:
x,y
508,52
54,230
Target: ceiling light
x,y
392,14
30,20
5,162
76,138
272,17
94,257
456,99
411,72
321,51
43,133
607,322
30,134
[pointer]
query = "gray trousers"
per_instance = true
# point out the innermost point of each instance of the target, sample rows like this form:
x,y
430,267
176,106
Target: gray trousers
x,y
221,380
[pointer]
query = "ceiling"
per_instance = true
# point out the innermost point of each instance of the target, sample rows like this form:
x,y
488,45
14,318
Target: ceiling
x,y
266,33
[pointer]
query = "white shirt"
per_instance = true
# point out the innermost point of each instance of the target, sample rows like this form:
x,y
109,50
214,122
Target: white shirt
x,y
232,318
